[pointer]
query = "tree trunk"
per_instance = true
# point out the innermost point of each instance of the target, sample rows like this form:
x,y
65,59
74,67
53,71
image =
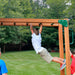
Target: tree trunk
x,y
4,48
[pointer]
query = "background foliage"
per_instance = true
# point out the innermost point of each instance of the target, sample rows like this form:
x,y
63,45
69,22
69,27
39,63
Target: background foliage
x,y
46,9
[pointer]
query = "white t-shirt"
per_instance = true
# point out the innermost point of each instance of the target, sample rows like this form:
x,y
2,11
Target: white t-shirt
x,y
36,42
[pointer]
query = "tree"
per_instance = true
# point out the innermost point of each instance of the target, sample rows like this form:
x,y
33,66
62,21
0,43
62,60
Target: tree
x,y
12,9
50,37
31,9
56,8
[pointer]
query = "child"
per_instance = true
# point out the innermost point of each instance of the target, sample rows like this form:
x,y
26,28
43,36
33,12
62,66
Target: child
x,y
36,42
3,69
72,54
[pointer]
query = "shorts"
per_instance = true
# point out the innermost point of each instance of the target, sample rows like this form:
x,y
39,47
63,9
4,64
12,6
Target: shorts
x,y
46,55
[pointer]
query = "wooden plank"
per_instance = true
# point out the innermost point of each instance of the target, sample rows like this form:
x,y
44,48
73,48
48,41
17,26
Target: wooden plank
x,y
8,24
29,20
61,50
20,24
44,24
0,23
23,21
34,24
67,48
49,24
25,24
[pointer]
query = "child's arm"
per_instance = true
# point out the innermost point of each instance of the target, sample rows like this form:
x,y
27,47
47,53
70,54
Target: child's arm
x,y
70,53
40,30
31,28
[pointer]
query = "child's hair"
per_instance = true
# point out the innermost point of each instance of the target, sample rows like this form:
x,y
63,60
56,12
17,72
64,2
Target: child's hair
x,y
36,31
36,28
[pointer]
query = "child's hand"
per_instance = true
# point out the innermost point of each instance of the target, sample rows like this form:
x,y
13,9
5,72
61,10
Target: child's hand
x,y
30,24
40,24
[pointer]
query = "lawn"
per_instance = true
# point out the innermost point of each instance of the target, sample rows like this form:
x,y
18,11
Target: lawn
x,y
29,63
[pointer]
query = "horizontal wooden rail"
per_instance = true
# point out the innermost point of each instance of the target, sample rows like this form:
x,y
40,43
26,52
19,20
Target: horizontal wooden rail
x,y
26,22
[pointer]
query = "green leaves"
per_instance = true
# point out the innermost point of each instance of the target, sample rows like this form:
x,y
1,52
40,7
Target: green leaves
x,y
49,37
47,9
56,8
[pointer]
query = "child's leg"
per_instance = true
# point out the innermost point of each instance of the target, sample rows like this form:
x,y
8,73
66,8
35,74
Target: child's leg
x,y
48,58
46,55
58,60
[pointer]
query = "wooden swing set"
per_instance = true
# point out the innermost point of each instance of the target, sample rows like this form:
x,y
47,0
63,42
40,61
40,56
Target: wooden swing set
x,y
48,23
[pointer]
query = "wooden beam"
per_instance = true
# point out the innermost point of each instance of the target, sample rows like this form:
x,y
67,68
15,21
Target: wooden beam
x,y
29,20
61,50
8,23
0,23
49,24
67,48
26,24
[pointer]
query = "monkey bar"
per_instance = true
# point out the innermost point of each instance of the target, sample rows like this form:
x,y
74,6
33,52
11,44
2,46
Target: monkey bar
x,y
26,22
49,23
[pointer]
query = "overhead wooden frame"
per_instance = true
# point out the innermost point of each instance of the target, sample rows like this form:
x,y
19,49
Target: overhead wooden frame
x,y
26,22
47,23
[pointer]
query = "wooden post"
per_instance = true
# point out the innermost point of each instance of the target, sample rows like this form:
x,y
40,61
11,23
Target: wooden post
x,y
67,48
61,50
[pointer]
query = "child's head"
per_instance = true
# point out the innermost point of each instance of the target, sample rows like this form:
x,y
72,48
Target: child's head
x,y
36,31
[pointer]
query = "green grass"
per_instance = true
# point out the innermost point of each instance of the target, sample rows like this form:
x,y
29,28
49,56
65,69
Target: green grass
x,y
29,63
